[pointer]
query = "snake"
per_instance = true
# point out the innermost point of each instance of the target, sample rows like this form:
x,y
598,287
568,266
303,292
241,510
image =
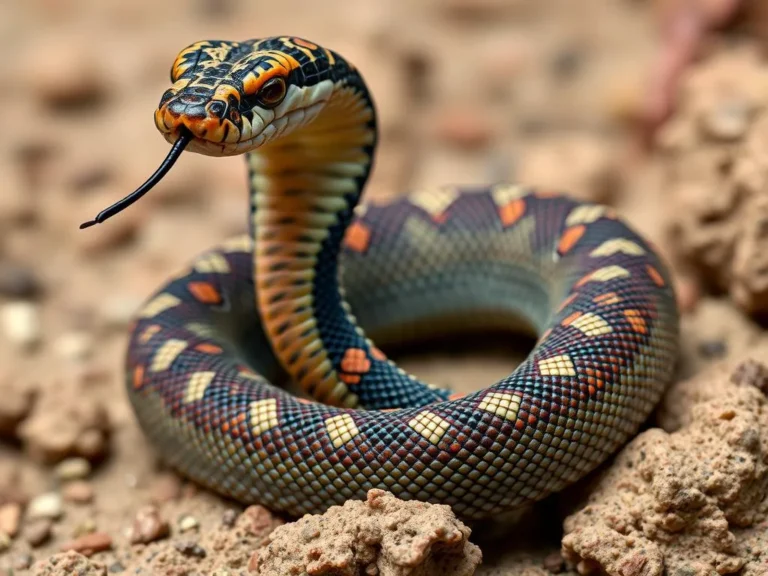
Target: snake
x,y
256,371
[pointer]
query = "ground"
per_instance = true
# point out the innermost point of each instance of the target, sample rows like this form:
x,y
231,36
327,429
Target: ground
x,y
549,93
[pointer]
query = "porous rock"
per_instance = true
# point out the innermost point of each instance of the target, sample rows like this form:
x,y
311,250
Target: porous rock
x,y
383,536
691,501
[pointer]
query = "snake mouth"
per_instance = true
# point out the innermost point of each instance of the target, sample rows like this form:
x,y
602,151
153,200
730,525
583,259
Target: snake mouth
x,y
200,128
207,147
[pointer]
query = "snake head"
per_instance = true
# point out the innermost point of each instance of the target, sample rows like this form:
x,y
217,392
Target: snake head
x,y
234,97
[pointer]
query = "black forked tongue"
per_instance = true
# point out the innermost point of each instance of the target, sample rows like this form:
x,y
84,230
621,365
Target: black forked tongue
x,y
185,137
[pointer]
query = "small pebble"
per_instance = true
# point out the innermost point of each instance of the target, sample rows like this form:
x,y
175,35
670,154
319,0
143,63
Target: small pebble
x,y
89,544
148,526
23,561
753,373
18,281
229,518
10,517
554,563
79,492
187,523
728,121
116,568
74,346
5,541
88,526
21,323
47,505
73,469
712,348
191,549
38,532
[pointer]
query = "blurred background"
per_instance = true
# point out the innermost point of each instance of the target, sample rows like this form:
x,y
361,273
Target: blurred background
x,y
655,107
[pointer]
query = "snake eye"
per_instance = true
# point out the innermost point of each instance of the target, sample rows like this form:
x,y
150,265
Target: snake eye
x,y
272,93
217,108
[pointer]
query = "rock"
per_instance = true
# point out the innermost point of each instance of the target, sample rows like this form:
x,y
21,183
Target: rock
x,y
554,563
10,517
67,564
188,523
74,346
383,536
18,282
751,373
728,121
700,491
714,164
229,518
78,492
18,399
67,420
91,444
11,487
87,526
38,532
116,568
23,561
148,526
73,469
21,323
89,544
47,505
5,542
190,549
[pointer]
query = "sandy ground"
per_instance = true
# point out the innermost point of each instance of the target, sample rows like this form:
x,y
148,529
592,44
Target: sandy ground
x,y
468,91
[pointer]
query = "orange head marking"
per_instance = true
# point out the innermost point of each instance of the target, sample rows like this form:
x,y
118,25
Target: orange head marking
x,y
227,94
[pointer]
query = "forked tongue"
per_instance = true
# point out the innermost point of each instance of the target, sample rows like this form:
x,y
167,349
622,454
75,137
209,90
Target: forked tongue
x,y
185,137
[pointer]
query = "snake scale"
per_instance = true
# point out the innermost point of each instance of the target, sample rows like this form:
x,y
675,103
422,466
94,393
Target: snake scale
x,y
211,352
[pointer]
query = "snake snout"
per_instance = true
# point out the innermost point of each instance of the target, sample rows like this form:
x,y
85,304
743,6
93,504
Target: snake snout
x,y
195,112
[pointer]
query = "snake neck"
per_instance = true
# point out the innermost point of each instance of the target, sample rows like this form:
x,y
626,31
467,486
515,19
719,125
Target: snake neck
x,y
304,188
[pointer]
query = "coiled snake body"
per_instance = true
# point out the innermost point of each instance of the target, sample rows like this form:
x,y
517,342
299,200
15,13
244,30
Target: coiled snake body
x,y
208,350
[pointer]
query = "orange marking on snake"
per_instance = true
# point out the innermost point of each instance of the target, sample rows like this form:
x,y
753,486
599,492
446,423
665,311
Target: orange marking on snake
x,y
637,321
456,396
569,320
512,212
204,292
570,237
138,377
655,276
355,361
207,348
358,237
607,298
350,379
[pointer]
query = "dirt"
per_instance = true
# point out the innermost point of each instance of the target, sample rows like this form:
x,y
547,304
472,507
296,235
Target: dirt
x,y
553,93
